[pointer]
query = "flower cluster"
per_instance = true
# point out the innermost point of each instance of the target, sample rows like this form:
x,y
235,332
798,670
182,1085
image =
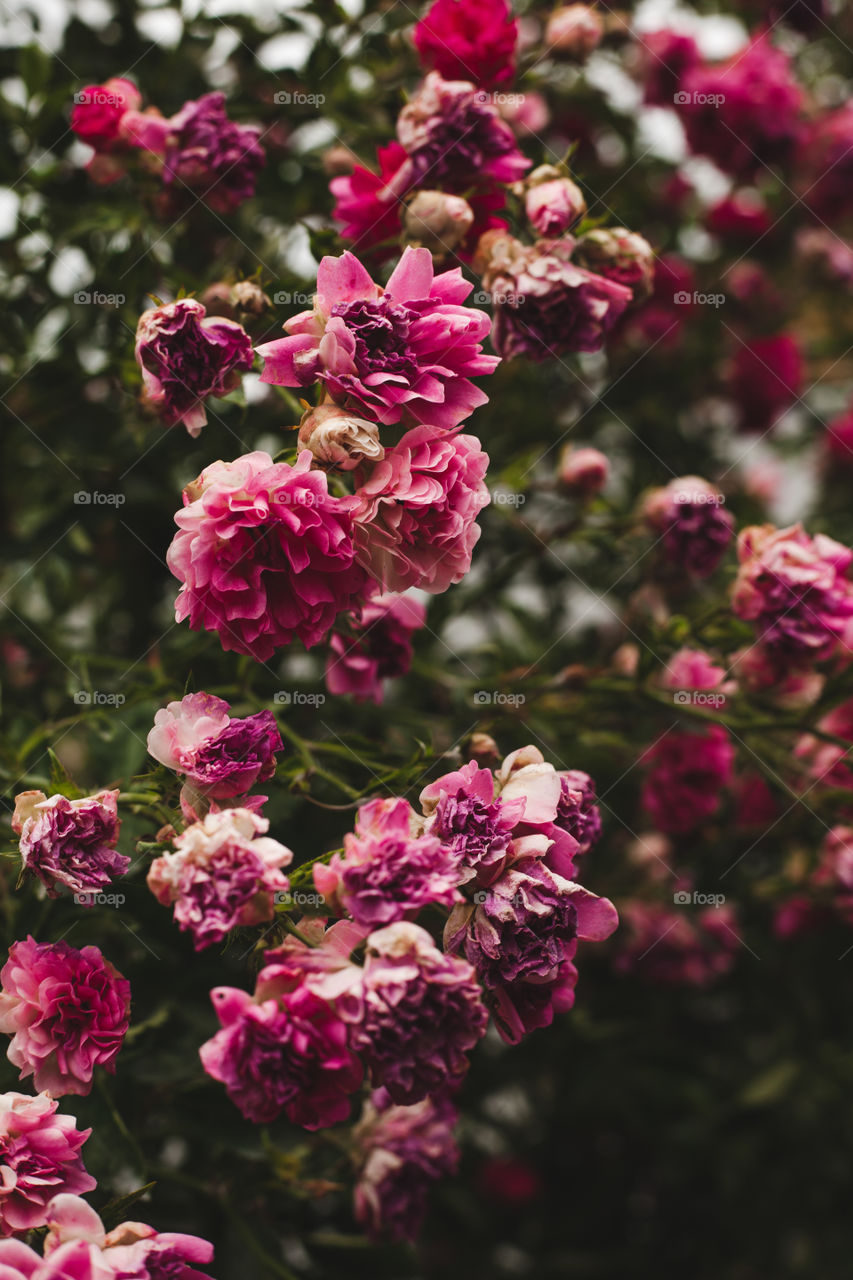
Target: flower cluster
x,y
199,154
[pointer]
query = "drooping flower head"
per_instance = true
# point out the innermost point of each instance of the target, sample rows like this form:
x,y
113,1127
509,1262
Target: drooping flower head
x,y
545,305
67,1012
222,756
379,648
224,872
468,40
265,554
186,356
794,589
70,843
401,1151
211,156
387,872
421,1013
39,1157
693,524
405,352
416,513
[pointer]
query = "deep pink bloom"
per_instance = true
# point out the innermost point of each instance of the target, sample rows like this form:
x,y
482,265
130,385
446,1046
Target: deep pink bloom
x,y
545,305
211,155
67,1012
220,756
773,672
829,762
556,804
839,438
421,1013
692,669
692,523
186,356
416,515
224,872
379,647
98,111
743,215
794,589
283,1050
405,352
469,40
665,58
454,136
39,1157
686,775
70,843
265,554
826,164
77,1247
766,378
368,204
680,946
402,1151
386,872
743,113
469,819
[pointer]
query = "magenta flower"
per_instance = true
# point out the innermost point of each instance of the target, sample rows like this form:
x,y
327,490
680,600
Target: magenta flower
x,y
744,113
795,591
220,756
694,527
379,648
827,168
224,872
765,379
368,205
455,137
463,812
421,1013
39,1157
387,872
469,40
401,1152
98,111
545,305
186,356
285,1050
687,773
211,155
67,1012
265,554
402,353
416,514
665,58
70,843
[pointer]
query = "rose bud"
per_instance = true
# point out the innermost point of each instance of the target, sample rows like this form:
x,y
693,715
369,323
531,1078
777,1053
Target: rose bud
x,y
250,298
553,203
583,472
482,748
574,31
620,255
338,161
437,221
339,439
